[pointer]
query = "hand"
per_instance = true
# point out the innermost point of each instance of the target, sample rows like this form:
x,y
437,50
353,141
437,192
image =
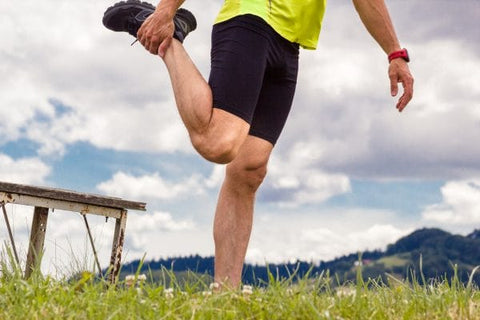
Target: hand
x,y
156,33
398,71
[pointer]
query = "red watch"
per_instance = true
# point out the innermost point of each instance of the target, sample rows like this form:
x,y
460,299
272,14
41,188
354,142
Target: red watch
x,y
399,54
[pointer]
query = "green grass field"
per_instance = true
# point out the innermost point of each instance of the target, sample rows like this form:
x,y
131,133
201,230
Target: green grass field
x,y
309,298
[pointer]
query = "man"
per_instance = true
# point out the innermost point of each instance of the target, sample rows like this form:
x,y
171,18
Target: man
x,y
236,118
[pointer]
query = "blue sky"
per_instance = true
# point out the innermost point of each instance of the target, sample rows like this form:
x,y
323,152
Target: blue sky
x,y
82,109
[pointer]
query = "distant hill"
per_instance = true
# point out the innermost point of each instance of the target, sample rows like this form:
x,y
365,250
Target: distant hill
x,y
474,235
433,253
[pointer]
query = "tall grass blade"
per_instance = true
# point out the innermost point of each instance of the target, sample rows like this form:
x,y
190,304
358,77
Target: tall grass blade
x,y
470,278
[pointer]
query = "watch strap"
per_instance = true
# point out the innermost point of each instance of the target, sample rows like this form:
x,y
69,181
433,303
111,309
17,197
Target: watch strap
x,y
403,53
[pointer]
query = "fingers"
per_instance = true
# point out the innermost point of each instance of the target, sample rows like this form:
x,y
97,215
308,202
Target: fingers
x,y
163,46
152,46
393,86
142,31
406,96
150,42
407,84
154,32
399,72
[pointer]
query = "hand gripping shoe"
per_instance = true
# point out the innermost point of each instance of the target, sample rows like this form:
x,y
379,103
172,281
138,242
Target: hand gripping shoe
x,y
128,16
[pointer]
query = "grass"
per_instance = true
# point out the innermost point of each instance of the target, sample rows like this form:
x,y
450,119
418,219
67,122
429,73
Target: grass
x,y
85,298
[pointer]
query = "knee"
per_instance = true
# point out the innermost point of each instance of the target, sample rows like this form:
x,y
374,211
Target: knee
x,y
221,151
247,177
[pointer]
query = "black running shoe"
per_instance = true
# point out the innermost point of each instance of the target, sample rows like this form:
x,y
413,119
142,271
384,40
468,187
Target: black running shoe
x,y
129,15
185,23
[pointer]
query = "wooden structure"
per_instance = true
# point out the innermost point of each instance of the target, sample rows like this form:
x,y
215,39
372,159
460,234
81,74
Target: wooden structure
x,y
43,199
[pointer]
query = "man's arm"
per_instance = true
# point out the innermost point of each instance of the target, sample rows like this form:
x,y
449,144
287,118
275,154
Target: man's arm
x,y
156,32
374,15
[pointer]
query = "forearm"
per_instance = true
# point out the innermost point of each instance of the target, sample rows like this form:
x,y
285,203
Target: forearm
x,y
374,15
169,6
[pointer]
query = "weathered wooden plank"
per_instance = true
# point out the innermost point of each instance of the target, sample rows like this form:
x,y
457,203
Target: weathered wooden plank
x,y
37,238
71,196
59,204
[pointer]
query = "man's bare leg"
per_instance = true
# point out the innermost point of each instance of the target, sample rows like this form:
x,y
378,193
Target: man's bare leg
x,y
216,134
234,214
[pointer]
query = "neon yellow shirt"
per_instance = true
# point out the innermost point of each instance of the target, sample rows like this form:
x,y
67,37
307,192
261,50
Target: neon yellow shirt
x,y
298,21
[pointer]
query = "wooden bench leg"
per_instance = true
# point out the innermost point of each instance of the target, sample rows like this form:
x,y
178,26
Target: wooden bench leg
x,y
117,246
10,234
37,238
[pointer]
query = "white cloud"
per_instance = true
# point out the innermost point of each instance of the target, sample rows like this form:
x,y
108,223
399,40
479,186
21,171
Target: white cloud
x,y
216,178
142,228
294,180
460,208
158,221
278,238
53,131
451,87
320,186
23,170
19,101
150,186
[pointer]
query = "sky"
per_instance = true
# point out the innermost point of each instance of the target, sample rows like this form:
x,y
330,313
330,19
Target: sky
x,y
81,109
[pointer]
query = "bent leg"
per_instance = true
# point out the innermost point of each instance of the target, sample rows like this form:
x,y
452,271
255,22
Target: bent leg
x,y
216,134
234,213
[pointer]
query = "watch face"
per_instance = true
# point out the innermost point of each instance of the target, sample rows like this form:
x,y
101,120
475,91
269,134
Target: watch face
x,y
405,55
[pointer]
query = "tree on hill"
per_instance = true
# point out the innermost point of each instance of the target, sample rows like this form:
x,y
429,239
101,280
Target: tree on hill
x,y
440,254
420,238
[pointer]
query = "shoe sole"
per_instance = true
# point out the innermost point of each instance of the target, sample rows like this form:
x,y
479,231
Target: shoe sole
x,y
187,16
122,6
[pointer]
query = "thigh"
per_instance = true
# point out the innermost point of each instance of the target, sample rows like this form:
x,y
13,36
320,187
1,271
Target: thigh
x,y
276,97
238,62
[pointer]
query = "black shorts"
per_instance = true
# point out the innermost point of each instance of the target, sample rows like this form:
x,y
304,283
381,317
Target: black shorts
x,y
253,74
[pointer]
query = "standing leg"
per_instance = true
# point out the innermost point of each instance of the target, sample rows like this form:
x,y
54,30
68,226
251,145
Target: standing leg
x,y
234,213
